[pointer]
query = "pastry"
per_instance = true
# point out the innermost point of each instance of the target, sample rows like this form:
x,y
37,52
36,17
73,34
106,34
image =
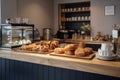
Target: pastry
x,y
28,47
59,50
70,52
43,48
81,45
80,52
88,50
70,47
35,48
44,42
23,47
54,44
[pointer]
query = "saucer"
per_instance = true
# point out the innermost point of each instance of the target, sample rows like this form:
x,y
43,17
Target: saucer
x,y
113,57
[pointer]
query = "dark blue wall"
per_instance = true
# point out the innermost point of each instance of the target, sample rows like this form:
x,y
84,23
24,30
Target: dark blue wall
x,y
17,70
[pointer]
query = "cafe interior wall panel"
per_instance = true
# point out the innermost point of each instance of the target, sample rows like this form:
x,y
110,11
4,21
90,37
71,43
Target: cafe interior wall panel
x,y
39,12
18,70
8,10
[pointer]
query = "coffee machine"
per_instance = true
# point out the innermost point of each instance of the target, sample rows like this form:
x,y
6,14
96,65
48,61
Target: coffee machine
x,y
62,34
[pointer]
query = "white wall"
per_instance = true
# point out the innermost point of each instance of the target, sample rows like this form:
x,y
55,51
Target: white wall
x,y
99,21
39,12
8,10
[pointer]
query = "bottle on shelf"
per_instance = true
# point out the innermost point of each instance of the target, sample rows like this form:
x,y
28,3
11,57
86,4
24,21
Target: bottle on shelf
x,y
83,8
75,35
74,14
115,36
79,9
82,18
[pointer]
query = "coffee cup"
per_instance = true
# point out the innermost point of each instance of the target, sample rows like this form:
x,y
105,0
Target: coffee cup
x,y
106,53
105,46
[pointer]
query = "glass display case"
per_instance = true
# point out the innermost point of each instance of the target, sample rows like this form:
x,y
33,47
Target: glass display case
x,y
14,35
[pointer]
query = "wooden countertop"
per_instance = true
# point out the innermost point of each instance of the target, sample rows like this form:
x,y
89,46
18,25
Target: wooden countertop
x,y
86,41
110,68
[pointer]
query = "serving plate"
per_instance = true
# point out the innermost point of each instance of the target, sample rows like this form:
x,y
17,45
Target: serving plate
x,y
113,57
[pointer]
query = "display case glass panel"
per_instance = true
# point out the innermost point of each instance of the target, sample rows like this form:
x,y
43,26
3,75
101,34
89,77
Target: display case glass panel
x,y
13,35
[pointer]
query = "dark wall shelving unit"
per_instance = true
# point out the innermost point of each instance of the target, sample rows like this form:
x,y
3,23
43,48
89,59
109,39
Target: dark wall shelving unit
x,y
73,15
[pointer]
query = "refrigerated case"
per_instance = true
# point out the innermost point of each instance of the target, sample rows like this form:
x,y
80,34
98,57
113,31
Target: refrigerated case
x,y
14,35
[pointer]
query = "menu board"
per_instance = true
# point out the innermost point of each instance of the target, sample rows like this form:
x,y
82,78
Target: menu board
x,y
109,10
115,33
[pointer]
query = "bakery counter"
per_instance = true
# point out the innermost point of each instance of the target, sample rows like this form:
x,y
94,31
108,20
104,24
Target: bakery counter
x,y
109,68
86,41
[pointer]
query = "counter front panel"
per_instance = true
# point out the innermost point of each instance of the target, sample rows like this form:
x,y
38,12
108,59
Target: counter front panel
x,y
20,70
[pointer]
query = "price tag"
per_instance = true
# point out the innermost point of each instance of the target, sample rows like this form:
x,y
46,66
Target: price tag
x,y
115,33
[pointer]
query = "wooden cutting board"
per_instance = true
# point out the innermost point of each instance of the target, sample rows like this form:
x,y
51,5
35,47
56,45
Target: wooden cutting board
x,y
27,51
88,57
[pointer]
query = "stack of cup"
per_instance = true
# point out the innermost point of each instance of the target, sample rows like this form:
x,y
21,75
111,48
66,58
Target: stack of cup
x,y
106,50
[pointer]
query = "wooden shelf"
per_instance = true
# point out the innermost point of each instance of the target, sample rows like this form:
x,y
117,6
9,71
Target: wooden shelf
x,y
76,11
75,21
